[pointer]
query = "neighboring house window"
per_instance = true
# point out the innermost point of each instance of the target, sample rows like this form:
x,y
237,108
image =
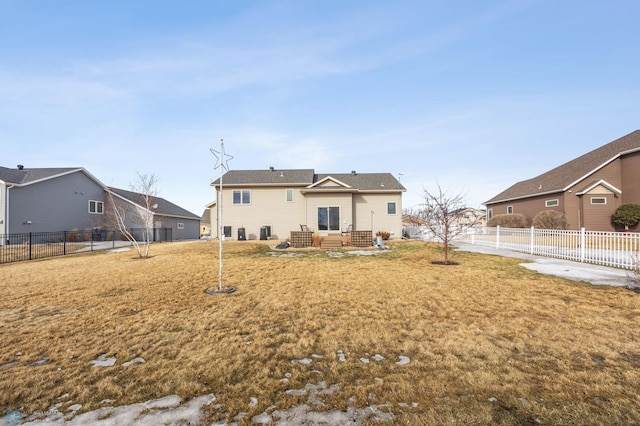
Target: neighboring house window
x,y
328,218
598,200
551,203
509,209
96,207
226,230
391,208
268,230
289,195
180,225
490,213
242,197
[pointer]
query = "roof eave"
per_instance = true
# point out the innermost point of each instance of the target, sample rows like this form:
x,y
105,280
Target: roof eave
x,y
555,191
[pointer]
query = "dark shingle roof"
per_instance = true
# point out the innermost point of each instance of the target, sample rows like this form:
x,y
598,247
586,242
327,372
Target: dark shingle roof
x,y
307,177
165,208
366,181
25,176
562,177
272,177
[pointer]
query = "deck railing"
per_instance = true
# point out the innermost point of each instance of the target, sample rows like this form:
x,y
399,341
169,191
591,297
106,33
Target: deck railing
x,y
617,249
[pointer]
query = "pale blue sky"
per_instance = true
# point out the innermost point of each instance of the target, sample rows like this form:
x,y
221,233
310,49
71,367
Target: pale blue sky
x,y
473,95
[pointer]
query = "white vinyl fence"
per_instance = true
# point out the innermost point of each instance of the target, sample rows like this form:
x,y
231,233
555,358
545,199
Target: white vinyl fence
x,y
617,249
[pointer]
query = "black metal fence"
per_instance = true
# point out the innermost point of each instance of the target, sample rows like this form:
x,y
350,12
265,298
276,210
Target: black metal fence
x,y
38,245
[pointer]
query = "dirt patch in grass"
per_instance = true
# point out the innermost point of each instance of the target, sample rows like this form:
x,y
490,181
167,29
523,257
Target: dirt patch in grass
x,y
487,341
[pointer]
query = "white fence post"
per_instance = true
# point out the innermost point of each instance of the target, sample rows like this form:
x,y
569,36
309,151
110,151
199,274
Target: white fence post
x,y
498,237
532,240
582,243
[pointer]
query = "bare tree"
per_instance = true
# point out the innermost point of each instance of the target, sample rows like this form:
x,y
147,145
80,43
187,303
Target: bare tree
x,y
137,212
444,217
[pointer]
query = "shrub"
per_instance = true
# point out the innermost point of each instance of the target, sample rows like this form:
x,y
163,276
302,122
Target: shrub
x,y
550,219
627,215
73,236
515,220
384,234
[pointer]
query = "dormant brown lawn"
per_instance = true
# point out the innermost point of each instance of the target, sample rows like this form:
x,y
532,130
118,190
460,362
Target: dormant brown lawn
x,y
488,341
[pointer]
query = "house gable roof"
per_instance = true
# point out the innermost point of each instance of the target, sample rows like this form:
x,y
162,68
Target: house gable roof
x,y
165,208
568,174
595,184
368,182
29,176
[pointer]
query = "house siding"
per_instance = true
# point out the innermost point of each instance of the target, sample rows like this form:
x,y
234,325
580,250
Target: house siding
x,y
529,207
594,217
190,231
630,176
344,201
364,204
274,211
56,204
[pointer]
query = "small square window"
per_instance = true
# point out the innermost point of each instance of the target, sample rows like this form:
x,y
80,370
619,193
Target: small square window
x,y
509,209
391,208
180,225
226,230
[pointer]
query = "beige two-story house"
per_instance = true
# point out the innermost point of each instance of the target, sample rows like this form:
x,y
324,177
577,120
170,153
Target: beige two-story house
x,y
269,204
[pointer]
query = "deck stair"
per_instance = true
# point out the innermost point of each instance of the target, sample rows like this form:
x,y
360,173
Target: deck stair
x,y
331,242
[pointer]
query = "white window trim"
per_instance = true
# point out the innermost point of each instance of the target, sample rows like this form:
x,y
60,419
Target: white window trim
x,y
509,209
97,203
604,201
552,203
180,225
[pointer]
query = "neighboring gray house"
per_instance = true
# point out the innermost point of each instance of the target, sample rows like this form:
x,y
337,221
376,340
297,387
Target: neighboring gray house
x,y
64,199
184,224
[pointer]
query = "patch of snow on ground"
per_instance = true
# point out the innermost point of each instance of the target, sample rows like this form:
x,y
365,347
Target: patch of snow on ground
x,y
304,415
103,361
163,411
137,360
403,360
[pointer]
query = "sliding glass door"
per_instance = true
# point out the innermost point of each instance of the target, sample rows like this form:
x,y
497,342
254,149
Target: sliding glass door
x,y
328,218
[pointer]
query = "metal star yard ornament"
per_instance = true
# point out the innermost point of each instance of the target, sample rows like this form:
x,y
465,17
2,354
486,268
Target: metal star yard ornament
x,y
222,163
222,158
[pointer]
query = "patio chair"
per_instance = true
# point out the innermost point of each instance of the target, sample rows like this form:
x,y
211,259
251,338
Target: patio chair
x,y
347,231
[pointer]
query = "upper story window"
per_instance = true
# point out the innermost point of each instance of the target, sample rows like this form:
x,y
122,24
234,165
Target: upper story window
x,y
509,209
490,213
551,203
391,207
289,195
242,197
598,200
96,207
